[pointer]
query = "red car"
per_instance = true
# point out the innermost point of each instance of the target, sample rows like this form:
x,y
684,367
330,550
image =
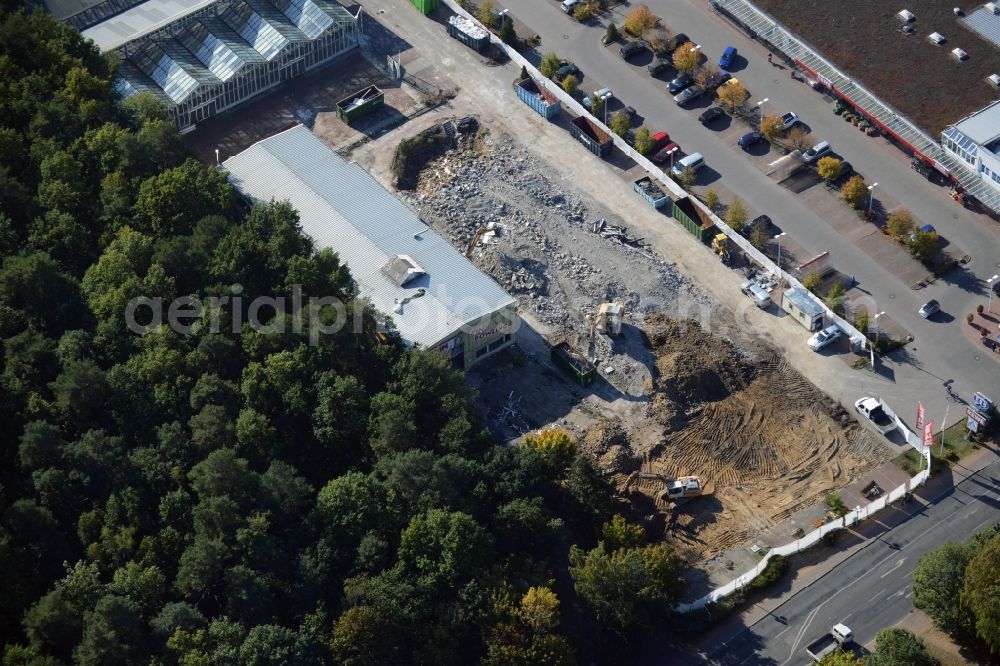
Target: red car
x,y
663,154
660,139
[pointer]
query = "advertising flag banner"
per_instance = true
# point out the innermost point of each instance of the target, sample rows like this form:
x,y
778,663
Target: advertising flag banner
x,y
920,416
929,435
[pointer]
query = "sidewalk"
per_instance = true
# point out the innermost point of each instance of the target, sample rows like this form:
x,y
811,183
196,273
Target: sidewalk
x,y
811,567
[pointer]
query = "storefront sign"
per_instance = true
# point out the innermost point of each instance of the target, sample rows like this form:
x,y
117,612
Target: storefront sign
x,y
482,333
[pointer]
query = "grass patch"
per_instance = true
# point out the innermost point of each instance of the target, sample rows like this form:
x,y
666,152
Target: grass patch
x,y
955,448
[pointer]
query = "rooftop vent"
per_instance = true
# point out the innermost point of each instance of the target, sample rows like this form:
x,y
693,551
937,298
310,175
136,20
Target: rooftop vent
x,y
402,269
994,79
992,8
960,54
937,38
908,29
907,15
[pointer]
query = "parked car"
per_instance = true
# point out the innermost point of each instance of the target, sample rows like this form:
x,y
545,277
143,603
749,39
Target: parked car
x,y
929,309
816,152
565,71
710,115
927,228
760,222
846,169
788,119
680,83
663,154
750,139
688,95
658,65
628,111
694,160
658,141
824,338
569,5
631,49
717,80
672,44
588,100
726,59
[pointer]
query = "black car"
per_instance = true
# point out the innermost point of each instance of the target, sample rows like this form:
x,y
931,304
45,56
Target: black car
x,y
710,115
628,111
565,71
845,170
658,66
750,139
631,49
680,83
677,40
761,222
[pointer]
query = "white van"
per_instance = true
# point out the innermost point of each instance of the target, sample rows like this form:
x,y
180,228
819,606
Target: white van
x,y
597,94
569,5
694,160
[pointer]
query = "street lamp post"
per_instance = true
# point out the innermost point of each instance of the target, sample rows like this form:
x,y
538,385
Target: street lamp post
x,y
778,238
760,106
876,326
989,288
871,197
671,154
604,99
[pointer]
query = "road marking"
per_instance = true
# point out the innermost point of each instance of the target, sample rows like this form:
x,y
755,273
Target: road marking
x,y
879,594
802,631
898,564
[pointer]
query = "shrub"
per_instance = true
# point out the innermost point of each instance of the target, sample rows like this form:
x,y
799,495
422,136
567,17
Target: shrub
x,y
686,58
836,296
776,567
507,34
758,238
711,199
899,225
485,15
523,75
611,34
643,142
621,124
771,127
969,318
979,308
550,63
828,168
640,21
736,215
812,280
861,320
854,191
570,84
584,12
836,504
688,177
924,245
798,138
732,95
659,40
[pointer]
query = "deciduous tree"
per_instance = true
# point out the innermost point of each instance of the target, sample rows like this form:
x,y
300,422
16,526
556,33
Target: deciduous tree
x,y
924,245
732,95
981,593
549,64
736,214
686,58
771,127
621,124
828,168
896,647
854,191
937,585
640,21
899,224
643,142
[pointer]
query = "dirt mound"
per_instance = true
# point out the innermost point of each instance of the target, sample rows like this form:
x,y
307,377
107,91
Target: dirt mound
x,y
693,366
607,443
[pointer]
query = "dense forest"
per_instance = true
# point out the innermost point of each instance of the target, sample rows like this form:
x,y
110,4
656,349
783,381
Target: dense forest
x,y
220,498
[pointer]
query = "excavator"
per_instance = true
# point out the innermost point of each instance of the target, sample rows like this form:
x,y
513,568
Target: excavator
x,y
720,245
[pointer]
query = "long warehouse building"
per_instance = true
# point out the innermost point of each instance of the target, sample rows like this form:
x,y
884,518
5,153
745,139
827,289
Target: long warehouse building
x,y
436,298
203,57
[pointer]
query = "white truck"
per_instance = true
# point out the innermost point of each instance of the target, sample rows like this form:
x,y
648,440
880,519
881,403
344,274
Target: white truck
x,y
839,636
876,411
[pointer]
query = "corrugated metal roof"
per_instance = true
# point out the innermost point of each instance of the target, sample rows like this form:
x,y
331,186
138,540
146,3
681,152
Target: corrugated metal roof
x,y
342,207
986,23
803,302
983,126
141,20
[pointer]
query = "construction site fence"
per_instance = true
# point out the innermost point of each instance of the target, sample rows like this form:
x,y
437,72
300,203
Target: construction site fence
x,y
811,539
668,183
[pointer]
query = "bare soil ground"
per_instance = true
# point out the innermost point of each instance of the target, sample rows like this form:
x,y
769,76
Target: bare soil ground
x,y
924,81
671,398
310,100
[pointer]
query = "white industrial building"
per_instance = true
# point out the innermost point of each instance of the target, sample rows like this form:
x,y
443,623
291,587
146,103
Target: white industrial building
x,y
975,141
436,298
202,57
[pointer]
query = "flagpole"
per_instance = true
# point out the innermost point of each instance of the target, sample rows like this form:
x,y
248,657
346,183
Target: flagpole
x,y
943,423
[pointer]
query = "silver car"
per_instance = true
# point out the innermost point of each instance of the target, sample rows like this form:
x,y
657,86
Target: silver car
x,y
930,308
824,338
689,94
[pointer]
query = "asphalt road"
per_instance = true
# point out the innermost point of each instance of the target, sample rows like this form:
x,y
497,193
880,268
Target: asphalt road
x,y
940,352
871,589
